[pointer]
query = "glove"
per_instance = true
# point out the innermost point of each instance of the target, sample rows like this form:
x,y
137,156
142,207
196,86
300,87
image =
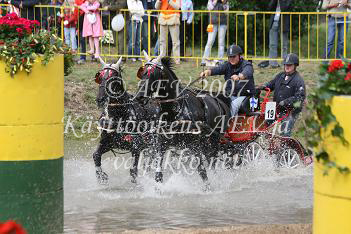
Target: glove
x,y
281,103
205,73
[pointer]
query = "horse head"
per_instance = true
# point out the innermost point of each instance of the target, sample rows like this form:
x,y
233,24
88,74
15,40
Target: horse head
x,y
111,85
155,77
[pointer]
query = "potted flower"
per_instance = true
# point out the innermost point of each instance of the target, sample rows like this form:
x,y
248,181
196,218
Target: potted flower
x,y
21,42
331,135
32,67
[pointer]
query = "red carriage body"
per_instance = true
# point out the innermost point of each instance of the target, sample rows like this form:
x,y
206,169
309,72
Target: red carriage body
x,y
247,128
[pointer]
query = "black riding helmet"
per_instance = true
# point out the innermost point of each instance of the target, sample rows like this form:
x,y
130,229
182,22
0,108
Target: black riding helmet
x,y
291,59
234,50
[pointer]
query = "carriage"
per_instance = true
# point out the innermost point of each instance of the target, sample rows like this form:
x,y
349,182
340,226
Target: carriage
x,y
253,135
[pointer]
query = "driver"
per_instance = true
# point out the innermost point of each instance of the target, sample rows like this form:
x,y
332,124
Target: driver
x,y
238,74
289,92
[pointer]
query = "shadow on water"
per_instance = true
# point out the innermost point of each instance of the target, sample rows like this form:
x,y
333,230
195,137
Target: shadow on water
x,y
256,195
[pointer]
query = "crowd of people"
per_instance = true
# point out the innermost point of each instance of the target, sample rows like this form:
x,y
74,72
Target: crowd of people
x,y
84,18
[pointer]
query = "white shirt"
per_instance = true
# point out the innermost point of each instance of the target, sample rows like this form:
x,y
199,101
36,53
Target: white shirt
x,y
136,9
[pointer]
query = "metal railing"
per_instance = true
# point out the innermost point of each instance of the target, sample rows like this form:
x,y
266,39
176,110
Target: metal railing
x,y
307,33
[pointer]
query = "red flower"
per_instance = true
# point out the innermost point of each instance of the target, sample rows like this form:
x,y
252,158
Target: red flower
x,y
335,65
348,76
36,22
19,30
348,67
11,227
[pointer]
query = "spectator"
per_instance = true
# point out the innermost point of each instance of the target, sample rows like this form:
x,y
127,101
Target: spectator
x,y
336,21
70,24
136,11
187,19
169,21
27,8
148,5
92,27
157,46
278,6
54,19
219,22
114,7
79,14
44,13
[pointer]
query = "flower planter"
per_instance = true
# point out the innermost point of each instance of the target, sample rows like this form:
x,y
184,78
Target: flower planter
x,y
31,152
332,193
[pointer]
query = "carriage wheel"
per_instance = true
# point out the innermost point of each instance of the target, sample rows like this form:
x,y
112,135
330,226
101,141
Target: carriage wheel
x,y
252,153
289,159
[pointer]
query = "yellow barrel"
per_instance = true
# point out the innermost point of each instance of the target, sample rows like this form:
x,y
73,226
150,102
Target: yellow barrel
x,y
332,193
31,147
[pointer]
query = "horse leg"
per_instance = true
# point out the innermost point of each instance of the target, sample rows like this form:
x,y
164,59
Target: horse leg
x,y
136,149
101,176
201,169
103,147
159,162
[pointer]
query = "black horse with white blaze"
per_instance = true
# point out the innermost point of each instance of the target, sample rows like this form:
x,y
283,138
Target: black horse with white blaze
x,y
181,104
119,109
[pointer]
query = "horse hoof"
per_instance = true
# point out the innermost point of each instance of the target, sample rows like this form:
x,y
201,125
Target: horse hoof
x,y
133,173
101,177
207,187
159,177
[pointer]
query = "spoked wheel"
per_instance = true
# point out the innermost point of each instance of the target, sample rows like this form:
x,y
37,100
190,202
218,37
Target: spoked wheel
x,y
252,153
289,159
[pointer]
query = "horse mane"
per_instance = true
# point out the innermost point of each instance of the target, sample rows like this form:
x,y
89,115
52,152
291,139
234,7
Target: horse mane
x,y
168,63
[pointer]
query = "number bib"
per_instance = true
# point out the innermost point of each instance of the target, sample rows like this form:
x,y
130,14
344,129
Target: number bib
x,y
270,110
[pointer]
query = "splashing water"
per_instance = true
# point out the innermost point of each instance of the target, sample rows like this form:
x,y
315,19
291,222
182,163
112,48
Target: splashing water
x,y
255,194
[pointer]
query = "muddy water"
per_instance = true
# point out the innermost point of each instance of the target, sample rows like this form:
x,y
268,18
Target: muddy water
x,y
257,195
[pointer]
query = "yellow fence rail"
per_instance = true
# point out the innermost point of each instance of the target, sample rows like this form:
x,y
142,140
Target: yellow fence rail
x,y
307,34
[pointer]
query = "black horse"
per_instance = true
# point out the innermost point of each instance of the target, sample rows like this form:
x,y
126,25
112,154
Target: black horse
x,y
184,105
119,109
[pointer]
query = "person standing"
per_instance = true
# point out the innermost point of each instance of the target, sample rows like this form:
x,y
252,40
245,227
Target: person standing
x,y
114,7
136,11
187,19
79,14
218,21
148,5
70,22
274,24
92,27
169,21
28,9
336,21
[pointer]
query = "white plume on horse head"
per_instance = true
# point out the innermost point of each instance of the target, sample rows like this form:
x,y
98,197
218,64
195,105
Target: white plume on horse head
x,y
118,64
158,59
102,62
147,57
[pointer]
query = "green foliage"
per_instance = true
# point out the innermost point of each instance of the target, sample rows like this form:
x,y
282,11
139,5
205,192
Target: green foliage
x,y
335,79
